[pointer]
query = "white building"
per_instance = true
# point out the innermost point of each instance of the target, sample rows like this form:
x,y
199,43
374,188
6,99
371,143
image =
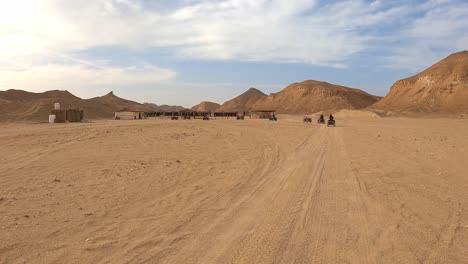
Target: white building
x,y
127,114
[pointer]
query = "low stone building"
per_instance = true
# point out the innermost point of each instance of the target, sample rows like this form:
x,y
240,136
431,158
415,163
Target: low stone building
x,y
128,114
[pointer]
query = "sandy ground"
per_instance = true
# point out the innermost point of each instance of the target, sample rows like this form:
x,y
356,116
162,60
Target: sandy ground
x,y
226,191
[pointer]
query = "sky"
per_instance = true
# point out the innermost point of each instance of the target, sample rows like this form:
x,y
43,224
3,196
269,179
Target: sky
x,y
186,51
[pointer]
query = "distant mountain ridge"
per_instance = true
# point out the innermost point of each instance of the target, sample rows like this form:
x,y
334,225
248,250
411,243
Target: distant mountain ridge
x,y
164,108
442,88
301,98
18,105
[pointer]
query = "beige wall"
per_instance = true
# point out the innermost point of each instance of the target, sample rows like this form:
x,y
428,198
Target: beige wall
x,y
127,115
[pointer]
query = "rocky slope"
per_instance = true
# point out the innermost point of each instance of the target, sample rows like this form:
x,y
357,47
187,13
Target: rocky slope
x,y
243,102
17,105
442,88
313,96
206,107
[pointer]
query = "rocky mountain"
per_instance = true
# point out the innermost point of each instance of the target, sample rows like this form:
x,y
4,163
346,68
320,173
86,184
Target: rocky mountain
x,y
164,108
243,102
442,88
206,107
17,105
312,96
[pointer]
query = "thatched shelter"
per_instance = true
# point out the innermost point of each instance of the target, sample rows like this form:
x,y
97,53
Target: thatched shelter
x,y
226,114
186,113
154,113
200,115
75,115
262,114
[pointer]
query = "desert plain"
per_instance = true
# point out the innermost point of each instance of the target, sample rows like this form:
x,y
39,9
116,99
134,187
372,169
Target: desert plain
x,y
370,190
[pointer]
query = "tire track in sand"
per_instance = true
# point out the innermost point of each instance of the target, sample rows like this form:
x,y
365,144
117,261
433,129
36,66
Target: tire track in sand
x,y
279,210
312,212
222,234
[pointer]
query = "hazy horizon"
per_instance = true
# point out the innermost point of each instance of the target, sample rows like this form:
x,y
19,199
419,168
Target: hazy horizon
x,y
183,52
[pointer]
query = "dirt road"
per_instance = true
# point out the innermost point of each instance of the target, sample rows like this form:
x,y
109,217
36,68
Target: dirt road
x,y
227,191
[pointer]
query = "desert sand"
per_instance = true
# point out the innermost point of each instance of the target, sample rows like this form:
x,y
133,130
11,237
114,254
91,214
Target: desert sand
x,y
371,190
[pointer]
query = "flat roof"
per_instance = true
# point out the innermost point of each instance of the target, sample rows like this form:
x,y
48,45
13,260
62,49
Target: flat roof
x,y
129,110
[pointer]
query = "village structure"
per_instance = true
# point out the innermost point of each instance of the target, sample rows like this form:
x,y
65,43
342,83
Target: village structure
x,y
58,115
190,114
262,114
128,114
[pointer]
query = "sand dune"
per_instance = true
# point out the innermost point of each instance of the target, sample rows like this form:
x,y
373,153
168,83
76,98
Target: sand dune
x,y
356,114
442,88
312,96
227,191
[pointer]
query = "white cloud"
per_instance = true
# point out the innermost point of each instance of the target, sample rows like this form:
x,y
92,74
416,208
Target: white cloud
x,y
302,31
36,36
80,75
275,30
439,31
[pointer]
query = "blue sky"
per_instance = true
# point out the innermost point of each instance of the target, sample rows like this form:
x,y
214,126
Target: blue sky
x,y
186,51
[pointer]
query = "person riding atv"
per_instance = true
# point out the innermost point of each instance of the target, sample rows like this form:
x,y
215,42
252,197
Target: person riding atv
x,y
321,119
331,121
